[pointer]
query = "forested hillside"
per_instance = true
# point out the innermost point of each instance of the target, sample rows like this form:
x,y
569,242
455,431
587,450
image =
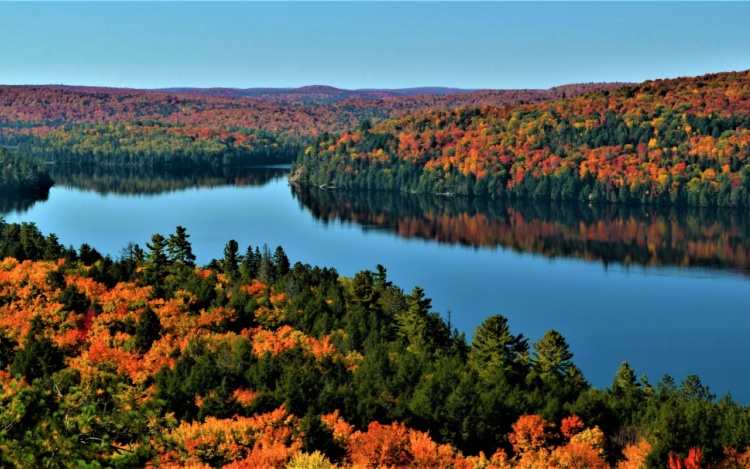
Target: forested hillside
x,y
252,361
681,141
70,124
158,144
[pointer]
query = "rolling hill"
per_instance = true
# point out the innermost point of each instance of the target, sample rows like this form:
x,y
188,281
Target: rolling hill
x,y
679,141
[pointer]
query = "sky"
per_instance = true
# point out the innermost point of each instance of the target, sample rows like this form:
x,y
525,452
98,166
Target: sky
x,y
367,44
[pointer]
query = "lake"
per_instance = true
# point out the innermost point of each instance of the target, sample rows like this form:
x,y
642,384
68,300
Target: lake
x,y
667,290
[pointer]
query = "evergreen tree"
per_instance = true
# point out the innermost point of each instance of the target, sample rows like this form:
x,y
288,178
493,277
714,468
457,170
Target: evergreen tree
x,y
361,288
39,357
250,266
280,262
73,300
413,323
88,255
147,330
266,270
179,248
551,355
7,349
156,262
381,278
157,258
230,263
494,347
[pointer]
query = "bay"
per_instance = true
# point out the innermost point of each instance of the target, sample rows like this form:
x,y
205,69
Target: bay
x,y
666,290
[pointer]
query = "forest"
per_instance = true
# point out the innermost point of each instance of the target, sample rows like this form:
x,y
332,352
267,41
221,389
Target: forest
x,y
156,144
148,359
253,361
666,142
189,127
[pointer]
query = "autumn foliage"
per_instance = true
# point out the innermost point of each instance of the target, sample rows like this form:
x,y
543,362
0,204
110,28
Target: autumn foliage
x,y
669,142
249,362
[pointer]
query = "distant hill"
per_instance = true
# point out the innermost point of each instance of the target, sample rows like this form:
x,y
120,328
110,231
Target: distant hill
x,y
99,125
327,94
313,93
297,113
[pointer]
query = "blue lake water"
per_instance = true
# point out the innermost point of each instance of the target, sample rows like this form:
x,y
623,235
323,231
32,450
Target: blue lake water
x,y
682,313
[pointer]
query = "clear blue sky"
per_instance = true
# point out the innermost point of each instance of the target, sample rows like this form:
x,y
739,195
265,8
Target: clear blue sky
x,y
368,45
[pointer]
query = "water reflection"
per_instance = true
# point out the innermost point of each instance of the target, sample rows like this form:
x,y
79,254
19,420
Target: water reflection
x,y
645,236
144,181
20,202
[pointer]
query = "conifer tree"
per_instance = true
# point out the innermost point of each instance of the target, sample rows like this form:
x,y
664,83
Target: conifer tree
x,y
179,248
494,347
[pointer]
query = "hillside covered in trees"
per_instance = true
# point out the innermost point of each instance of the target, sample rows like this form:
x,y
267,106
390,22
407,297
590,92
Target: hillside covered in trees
x,y
83,125
680,141
252,361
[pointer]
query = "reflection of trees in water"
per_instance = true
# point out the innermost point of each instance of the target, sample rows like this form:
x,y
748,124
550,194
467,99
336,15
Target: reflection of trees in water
x,y
20,202
143,181
607,233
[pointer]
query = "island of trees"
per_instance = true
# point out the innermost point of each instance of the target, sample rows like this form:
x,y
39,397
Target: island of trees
x,y
252,361
667,142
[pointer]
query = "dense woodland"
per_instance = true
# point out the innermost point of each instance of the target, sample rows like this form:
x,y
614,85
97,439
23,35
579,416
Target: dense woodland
x,y
156,144
252,361
83,125
669,142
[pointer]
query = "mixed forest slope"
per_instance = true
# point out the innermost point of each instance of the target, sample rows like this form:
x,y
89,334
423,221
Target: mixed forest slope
x,y
250,361
72,124
680,141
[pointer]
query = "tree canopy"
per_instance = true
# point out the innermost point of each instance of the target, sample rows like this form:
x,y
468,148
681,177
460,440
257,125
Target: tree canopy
x,y
105,361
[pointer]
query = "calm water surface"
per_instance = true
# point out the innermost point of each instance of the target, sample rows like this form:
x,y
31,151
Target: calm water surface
x,y
666,291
